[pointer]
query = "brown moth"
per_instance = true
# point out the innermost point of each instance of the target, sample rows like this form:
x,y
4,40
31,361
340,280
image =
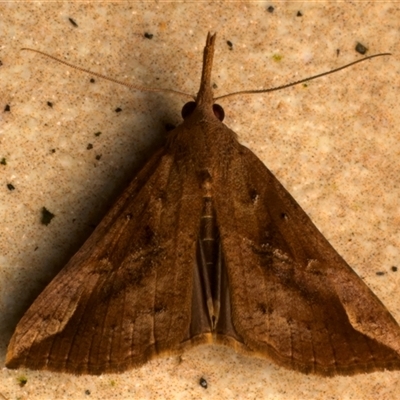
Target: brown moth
x,y
206,246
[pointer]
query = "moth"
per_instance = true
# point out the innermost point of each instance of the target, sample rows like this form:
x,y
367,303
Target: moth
x,y
206,246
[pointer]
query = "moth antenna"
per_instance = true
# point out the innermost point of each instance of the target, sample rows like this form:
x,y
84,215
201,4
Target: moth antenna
x,y
128,85
302,80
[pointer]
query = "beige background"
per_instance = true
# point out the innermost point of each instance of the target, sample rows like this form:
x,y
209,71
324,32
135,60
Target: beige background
x,y
334,145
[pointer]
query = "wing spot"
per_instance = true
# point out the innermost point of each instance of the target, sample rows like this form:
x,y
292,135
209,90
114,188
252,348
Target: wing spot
x,y
284,216
148,236
159,309
314,267
264,308
161,196
254,196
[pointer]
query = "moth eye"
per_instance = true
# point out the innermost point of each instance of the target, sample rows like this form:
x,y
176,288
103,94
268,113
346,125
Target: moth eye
x,y
187,109
219,112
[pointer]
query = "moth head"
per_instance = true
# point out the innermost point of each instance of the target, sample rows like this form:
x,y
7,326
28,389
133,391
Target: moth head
x,y
189,107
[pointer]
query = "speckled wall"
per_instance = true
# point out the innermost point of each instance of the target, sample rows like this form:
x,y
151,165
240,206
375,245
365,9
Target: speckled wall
x,y
334,145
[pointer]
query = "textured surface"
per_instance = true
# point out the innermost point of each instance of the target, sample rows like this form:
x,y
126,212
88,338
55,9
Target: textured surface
x,y
333,144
